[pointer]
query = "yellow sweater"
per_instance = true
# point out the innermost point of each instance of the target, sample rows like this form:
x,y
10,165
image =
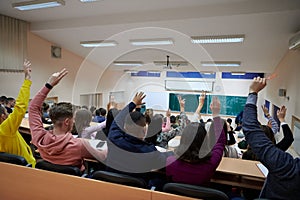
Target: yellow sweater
x,y
11,141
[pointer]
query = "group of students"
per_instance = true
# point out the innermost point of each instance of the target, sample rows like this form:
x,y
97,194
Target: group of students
x,y
194,161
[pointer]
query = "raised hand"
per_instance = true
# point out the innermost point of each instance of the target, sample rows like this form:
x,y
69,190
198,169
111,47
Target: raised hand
x,y
168,113
138,98
27,69
258,84
265,110
56,77
281,113
215,106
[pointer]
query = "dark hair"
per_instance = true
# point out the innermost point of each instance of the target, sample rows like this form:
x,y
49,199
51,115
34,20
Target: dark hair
x,y
60,111
135,118
154,128
269,133
102,111
45,106
2,110
172,119
229,120
191,141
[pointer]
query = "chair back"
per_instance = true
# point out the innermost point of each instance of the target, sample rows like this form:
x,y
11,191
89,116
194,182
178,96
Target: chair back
x,y
13,159
65,169
118,178
194,191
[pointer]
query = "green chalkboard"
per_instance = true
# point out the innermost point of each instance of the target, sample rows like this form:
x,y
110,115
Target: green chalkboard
x,y
230,105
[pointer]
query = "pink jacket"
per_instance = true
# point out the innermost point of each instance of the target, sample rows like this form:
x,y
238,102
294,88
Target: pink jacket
x,y
57,149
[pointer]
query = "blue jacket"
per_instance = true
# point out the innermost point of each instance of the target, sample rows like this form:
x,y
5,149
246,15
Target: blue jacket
x,y
129,154
283,180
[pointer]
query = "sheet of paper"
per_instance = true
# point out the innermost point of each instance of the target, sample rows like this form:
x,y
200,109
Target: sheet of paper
x,y
263,169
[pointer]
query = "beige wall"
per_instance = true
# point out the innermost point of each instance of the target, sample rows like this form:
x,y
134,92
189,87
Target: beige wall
x,y
288,77
43,65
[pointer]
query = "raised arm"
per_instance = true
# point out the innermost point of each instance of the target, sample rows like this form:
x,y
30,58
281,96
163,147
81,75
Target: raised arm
x,y
12,123
35,120
118,122
273,158
271,120
288,138
167,127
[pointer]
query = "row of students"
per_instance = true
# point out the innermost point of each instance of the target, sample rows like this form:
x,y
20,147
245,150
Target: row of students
x,y
129,153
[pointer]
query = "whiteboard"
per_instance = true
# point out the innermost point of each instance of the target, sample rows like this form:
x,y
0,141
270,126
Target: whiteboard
x,y
199,86
157,100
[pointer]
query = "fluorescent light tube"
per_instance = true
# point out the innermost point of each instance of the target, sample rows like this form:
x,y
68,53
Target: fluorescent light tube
x,y
238,73
143,42
221,64
88,1
217,39
37,4
128,63
100,43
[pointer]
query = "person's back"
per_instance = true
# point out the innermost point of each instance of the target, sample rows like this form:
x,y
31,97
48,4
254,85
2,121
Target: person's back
x,y
127,152
11,141
283,179
198,154
58,146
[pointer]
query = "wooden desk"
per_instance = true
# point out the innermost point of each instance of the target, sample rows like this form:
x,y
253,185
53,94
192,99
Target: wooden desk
x,y
238,172
28,183
25,128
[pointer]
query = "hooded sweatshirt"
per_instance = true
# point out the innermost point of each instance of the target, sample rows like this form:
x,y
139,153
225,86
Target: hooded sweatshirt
x,y
58,149
11,141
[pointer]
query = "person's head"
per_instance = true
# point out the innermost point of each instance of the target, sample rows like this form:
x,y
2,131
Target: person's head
x,y
269,133
3,100
229,120
192,138
3,113
45,107
149,112
93,109
102,111
196,142
154,127
83,119
172,119
10,102
135,124
61,115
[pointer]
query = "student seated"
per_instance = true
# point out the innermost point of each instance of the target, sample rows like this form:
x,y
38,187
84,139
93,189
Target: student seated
x,y
283,179
58,146
127,151
83,119
11,141
100,115
198,155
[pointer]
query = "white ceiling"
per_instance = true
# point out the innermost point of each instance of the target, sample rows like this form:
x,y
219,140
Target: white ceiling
x,y
267,25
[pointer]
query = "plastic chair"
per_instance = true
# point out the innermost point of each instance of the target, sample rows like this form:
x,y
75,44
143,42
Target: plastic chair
x,y
65,169
119,179
13,159
194,191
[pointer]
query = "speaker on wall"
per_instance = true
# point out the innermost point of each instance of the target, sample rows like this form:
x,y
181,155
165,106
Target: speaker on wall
x,y
55,52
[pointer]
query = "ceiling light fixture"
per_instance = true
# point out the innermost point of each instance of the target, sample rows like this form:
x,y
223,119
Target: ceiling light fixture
x,y
37,4
88,1
217,39
128,63
149,42
238,73
221,64
99,43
